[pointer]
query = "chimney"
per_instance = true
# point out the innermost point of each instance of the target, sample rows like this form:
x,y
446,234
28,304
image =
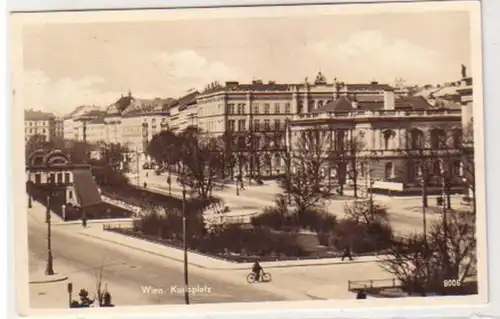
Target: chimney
x,y
389,99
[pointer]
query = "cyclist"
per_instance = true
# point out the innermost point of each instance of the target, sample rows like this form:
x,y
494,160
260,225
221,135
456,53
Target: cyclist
x,y
257,269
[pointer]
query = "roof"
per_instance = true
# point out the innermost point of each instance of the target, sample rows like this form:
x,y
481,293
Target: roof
x,y
344,104
374,86
32,115
82,109
86,190
185,101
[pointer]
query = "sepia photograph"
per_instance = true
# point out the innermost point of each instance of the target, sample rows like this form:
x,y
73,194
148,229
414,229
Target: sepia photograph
x,y
323,154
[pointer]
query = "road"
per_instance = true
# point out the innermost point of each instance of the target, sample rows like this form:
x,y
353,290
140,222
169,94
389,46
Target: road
x,y
405,214
128,274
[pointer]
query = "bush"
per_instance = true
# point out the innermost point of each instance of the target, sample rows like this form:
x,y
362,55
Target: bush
x,y
362,237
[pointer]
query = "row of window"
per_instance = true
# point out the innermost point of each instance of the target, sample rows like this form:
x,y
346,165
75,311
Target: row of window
x,y
56,177
31,131
38,123
256,108
278,125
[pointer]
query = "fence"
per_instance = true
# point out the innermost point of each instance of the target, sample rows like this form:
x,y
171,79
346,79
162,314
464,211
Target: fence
x,y
373,283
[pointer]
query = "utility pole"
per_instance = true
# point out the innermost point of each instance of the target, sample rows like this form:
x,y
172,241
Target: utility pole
x,y
184,236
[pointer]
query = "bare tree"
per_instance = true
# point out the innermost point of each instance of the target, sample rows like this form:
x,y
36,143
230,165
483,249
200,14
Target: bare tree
x,y
309,161
423,263
202,160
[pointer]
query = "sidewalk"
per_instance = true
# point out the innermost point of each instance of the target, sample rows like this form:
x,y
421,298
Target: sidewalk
x,y
330,292
204,261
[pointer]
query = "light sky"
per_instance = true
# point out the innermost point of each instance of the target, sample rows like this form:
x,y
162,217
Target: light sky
x,y
66,65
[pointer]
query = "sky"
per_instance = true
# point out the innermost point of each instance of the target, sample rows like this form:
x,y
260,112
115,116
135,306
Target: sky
x,y
67,65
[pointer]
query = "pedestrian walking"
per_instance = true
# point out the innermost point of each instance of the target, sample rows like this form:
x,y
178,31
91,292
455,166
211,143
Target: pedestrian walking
x,y
347,253
84,221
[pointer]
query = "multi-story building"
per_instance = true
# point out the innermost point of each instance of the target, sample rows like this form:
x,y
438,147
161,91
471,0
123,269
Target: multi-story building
x,y
133,122
386,141
72,128
254,116
40,124
184,112
59,128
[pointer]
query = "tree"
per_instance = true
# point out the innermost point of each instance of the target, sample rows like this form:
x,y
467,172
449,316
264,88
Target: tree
x,y
202,160
309,161
356,145
422,263
113,155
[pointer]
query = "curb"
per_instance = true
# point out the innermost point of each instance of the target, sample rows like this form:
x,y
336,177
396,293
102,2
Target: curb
x,y
314,297
49,279
242,267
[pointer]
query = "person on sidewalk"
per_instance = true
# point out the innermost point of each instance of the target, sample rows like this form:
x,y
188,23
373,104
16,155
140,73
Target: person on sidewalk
x,y
257,269
361,294
347,253
84,221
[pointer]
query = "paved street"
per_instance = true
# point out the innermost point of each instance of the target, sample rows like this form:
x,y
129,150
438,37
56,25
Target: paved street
x,y
126,273
405,214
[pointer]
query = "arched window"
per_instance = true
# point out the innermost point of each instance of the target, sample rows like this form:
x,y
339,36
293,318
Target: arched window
x,y
388,135
320,104
416,139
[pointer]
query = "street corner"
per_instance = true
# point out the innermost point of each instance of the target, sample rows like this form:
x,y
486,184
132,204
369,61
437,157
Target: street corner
x,y
42,278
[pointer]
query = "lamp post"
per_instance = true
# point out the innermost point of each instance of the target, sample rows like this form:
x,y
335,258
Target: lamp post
x,y
50,269
28,188
184,237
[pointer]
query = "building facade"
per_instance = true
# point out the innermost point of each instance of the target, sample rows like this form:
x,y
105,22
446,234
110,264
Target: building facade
x,y
253,117
388,144
38,123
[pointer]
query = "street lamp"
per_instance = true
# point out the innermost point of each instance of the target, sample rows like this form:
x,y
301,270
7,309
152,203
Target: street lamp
x,y
29,189
50,188
186,290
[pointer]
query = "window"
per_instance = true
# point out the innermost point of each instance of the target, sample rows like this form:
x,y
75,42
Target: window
x,y
153,121
277,160
31,130
256,109
70,194
267,125
241,125
231,125
438,138
230,108
267,108
457,138
256,125
276,108
416,139
389,172
319,104
277,125
52,178
300,107
388,135
38,178
59,178
287,108
241,108
43,131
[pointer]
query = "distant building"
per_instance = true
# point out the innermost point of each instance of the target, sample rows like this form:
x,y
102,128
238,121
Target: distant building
x,y
39,123
386,130
254,116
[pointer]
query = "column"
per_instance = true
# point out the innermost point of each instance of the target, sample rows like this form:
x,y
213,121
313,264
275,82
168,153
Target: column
x,y
377,138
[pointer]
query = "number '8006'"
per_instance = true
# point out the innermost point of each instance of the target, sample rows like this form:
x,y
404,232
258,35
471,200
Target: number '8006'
x,y
452,283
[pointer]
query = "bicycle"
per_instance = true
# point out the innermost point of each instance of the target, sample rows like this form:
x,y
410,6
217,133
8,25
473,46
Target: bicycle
x,y
264,277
